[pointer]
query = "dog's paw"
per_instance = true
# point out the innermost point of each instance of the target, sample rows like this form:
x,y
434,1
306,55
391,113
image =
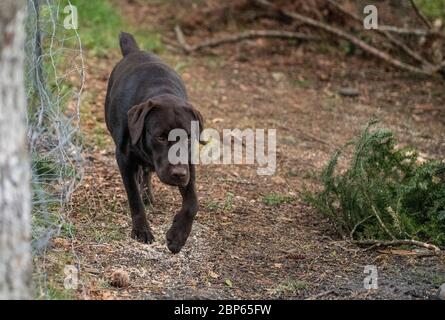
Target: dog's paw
x,y
143,235
177,237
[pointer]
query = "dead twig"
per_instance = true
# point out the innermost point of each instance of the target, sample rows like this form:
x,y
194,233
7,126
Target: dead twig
x,y
246,35
171,44
420,14
181,39
391,243
374,210
313,137
238,181
320,295
351,234
310,136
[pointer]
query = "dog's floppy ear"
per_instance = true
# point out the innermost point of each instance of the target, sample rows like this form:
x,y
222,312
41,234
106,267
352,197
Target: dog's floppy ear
x,y
197,115
136,120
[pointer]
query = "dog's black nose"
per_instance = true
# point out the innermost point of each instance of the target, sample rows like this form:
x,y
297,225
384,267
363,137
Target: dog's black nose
x,y
179,173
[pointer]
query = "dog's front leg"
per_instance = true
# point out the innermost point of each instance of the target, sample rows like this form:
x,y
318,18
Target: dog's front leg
x,y
182,223
130,176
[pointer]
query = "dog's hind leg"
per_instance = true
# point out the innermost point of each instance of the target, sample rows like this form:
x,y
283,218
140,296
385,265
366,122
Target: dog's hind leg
x,y
131,175
146,186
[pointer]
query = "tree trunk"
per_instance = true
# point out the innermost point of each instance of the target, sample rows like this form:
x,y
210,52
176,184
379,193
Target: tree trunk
x,y
15,199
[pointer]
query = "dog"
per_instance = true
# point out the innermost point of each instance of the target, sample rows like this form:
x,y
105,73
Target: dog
x,y
145,100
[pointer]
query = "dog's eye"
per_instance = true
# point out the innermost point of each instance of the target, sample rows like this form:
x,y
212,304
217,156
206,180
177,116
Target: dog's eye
x,y
161,139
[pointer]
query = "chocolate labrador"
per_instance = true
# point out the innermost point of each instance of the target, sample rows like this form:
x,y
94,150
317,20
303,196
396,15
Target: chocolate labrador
x,y
145,100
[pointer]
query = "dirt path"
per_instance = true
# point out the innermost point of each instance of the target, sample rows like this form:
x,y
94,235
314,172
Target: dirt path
x,y
242,246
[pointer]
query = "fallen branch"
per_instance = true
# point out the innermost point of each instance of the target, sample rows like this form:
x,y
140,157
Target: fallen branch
x,y
417,254
402,46
252,34
390,243
349,37
412,32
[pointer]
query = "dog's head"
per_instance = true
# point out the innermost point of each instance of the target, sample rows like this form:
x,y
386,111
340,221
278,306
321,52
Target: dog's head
x,y
150,123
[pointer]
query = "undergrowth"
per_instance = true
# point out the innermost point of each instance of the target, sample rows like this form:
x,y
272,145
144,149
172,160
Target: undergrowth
x,y
384,193
434,9
100,23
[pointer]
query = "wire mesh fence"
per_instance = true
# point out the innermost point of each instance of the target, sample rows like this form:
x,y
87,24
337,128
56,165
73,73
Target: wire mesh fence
x,y
54,83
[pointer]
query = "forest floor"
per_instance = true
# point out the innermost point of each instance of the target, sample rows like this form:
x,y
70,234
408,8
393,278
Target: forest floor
x,y
254,237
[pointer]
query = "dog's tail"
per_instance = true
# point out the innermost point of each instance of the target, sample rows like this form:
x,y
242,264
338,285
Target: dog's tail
x,y
128,43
